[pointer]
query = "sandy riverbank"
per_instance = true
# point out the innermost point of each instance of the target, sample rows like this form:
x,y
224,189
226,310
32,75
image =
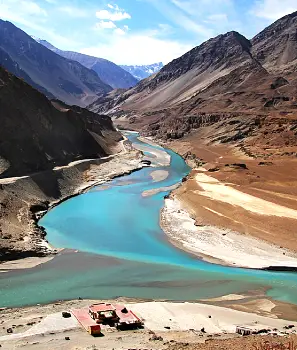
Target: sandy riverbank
x,y
26,263
234,209
161,157
218,191
220,245
165,323
159,175
158,190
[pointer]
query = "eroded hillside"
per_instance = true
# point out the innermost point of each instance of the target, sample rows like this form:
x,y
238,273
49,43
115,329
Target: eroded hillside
x,y
37,136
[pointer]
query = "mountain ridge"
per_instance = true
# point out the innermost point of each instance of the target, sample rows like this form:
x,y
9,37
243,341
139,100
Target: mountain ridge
x,y
65,79
46,136
15,69
188,74
280,54
223,75
107,71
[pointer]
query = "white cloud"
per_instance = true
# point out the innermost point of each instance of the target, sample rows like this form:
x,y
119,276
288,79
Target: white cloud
x,y
33,19
105,25
71,11
117,15
119,31
203,18
33,8
23,6
102,25
140,48
273,9
109,17
26,10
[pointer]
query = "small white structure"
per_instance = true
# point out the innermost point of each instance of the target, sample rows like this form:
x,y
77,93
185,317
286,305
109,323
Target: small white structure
x,y
244,330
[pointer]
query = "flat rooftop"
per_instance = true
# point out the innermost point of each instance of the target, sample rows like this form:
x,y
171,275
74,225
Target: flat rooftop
x,y
102,307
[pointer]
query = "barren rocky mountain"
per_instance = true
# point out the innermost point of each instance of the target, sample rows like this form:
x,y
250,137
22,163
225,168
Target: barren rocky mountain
x,y
65,79
276,46
107,71
225,77
192,73
221,107
37,136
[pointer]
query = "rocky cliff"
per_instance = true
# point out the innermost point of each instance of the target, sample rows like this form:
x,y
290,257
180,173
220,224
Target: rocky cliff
x,y
36,135
57,76
276,46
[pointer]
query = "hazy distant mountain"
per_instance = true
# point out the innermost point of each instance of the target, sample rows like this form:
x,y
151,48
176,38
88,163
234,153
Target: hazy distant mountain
x,y
45,43
107,71
142,72
14,68
52,74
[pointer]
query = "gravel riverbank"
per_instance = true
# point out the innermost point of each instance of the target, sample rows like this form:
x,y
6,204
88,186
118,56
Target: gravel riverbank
x,y
24,200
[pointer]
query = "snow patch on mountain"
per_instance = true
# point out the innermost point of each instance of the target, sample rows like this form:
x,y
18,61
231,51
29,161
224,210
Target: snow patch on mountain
x,y
144,71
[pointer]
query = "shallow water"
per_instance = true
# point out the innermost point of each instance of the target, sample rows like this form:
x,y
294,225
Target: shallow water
x,y
124,252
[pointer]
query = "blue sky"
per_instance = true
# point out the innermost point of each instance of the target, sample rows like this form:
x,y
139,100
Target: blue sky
x,y
139,31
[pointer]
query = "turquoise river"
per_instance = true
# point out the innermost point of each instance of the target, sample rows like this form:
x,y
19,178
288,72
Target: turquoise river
x,y
117,248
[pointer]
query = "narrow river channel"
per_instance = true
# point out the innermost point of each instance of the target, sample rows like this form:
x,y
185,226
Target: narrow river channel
x,y
124,252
